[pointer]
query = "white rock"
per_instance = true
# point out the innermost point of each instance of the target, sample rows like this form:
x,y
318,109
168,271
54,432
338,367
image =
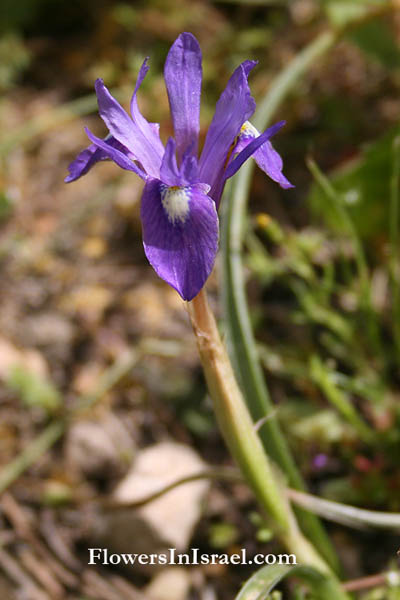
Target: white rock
x,y
171,583
166,522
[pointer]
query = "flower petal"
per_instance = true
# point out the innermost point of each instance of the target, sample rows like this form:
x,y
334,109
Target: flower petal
x,y
251,148
89,157
150,130
127,132
180,234
269,161
171,174
116,155
265,156
169,171
218,187
183,75
189,167
234,107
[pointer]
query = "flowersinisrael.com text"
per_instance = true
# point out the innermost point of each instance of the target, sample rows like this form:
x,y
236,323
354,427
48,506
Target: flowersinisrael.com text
x,y
102,556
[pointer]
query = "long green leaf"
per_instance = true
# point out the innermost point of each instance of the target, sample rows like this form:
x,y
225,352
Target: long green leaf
x,y
241,341
262,583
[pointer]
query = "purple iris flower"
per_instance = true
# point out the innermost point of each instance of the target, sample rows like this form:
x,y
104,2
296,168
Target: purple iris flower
x,y
182,193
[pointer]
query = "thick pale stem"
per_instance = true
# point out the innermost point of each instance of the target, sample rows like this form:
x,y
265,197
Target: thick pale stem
x,y
240,435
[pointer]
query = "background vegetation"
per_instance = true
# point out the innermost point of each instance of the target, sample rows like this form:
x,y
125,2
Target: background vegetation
x,y
88,330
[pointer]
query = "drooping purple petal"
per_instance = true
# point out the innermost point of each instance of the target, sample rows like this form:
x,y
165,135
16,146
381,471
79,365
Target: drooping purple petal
x,y
116,155
251,148
266,157
180,234
234,107
127,132
269,161
149,130
89,157
84,162
183,75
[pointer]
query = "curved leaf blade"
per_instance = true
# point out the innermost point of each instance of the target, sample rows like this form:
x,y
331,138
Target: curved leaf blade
x,y
263,582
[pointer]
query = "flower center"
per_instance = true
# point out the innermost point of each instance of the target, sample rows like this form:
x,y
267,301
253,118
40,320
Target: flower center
x,y
248,130
175,201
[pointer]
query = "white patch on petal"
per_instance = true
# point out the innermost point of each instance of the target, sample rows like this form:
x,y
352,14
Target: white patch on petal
x,y
248,130
175,201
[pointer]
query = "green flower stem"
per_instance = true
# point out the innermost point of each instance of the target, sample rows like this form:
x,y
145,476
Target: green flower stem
x,y
241,437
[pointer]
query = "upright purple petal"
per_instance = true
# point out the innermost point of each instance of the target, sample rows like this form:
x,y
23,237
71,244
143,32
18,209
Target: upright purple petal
x,y
169,172
89,157
127,132
266,157
183,75
180,234
149,130
234,107
116,155
189,167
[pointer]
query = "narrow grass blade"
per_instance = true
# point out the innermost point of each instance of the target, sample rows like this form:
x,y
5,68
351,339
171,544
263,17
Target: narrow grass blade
x,y
360,258
324,379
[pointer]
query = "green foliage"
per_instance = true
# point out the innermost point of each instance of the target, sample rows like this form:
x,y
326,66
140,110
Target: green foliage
x,y
44,15
125,15
34,390
334,361
343,12
6,206
222,535
374,37
263,533
14,59
377,40
57,493
261,585
344,351
322,427
325,378
363,187
15,15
